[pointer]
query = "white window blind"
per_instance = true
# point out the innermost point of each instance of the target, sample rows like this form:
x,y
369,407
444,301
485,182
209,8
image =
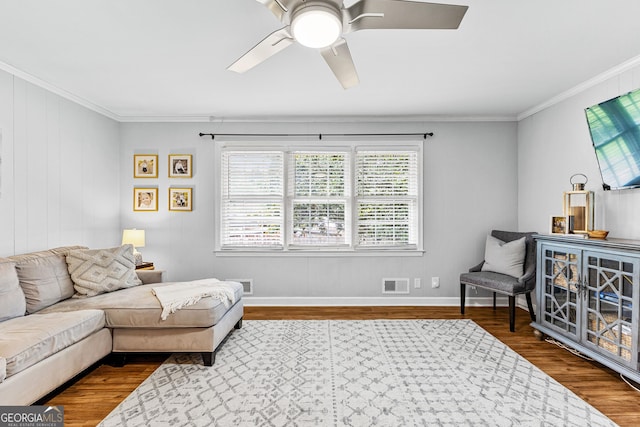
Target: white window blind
x,y
387,198
252,213
347,197
319,186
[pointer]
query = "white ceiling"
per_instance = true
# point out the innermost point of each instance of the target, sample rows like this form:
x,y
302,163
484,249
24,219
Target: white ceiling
x,y
167,59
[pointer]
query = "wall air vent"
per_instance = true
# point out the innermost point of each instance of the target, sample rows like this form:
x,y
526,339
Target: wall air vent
x,y
395,286
247,285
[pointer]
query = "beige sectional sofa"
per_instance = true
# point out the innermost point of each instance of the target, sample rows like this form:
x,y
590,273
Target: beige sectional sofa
x,y
53,327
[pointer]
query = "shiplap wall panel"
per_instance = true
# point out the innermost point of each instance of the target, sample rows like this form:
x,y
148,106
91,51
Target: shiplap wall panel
x,y
61,185
37,168
54,163
7,215
20,165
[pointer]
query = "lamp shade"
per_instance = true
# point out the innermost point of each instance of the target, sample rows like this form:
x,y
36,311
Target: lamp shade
x,y
134,237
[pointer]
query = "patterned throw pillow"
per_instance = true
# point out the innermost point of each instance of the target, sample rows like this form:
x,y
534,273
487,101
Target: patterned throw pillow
x,y
96,271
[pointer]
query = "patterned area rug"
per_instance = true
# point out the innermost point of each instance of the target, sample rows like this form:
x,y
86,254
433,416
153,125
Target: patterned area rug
x,y
355,373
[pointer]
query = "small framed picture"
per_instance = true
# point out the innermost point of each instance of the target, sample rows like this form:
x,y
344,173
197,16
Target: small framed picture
x,y
145,165
180,199
559,225
180,166
145,199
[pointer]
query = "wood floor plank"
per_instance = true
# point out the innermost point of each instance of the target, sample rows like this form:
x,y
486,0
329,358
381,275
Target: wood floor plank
x,y
91,397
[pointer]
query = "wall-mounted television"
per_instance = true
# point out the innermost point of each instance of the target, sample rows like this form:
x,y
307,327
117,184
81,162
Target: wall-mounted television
x,y
615,133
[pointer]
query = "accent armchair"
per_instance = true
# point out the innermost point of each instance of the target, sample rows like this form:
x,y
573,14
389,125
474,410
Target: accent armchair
x,y
504,284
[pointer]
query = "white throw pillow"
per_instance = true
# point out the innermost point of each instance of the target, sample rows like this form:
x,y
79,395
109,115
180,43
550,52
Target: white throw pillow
x,y
96,271
505,257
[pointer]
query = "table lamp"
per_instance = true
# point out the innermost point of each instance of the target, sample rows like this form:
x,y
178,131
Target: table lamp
x,y
135,238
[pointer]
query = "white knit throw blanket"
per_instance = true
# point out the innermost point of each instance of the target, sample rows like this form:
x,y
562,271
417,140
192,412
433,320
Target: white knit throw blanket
x,y
182,294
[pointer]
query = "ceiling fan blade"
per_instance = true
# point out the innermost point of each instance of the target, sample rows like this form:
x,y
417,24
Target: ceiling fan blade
x,y
338,57
278,7
399,14
272,44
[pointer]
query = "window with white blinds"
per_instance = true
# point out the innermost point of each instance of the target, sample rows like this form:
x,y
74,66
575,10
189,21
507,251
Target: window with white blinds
x,y
387,199
319,185
342,198
252,214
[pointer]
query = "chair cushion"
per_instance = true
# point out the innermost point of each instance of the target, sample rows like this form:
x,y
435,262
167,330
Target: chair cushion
x,y
498,282
12,303
24,341
505,257
96,271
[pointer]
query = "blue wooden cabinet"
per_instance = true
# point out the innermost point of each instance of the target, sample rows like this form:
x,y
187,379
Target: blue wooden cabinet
x,y
587,297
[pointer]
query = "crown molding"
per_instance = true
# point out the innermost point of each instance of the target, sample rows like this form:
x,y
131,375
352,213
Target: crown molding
x,y
613,72
321,119
56,90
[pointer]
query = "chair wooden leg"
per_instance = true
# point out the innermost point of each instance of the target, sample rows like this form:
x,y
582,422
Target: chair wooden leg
x,y
512,313
463,291
494,300
530,305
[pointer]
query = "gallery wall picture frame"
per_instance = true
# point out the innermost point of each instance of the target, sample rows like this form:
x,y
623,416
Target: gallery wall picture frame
x,y
180,199
180,166
145,199
559,224
145,165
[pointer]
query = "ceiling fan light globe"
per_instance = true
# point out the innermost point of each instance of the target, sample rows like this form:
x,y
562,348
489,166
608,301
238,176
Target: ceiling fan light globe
x,y
316,28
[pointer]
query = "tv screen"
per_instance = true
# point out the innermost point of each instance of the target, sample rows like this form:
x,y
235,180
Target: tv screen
x,y
615,133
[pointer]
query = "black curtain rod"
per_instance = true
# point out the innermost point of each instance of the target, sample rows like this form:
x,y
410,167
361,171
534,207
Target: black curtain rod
x,y
320,135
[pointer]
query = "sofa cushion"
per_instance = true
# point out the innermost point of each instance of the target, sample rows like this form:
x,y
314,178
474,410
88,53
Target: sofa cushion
x,y
12,303
44,279
24,341
138,308
96,271
505,257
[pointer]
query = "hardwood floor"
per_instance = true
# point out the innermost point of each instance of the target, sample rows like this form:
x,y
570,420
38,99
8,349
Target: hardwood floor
x,y
90,398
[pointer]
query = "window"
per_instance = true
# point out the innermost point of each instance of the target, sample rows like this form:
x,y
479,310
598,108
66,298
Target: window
x,y
387,198
346,198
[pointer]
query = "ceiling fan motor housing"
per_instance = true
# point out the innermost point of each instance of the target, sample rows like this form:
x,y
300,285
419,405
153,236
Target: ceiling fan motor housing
x,y
316,25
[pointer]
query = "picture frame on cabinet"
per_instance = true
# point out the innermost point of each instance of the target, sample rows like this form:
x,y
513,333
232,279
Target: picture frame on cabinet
x,y
180,165
145,199
145,165
559,225
180,199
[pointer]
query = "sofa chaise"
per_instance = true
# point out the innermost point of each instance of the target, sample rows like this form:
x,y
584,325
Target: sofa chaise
x,y
54,323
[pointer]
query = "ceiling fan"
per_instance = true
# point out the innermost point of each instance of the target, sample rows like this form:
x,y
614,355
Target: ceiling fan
x,y
321,24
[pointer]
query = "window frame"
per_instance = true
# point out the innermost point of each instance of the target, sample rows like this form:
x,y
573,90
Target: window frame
x,y
352,247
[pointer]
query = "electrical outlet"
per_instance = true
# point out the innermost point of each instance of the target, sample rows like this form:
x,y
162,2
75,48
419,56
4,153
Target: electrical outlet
x,y
417,283
435,282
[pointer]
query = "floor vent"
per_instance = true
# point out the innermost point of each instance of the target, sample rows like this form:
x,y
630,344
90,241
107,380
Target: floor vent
x,y
395,286
247,285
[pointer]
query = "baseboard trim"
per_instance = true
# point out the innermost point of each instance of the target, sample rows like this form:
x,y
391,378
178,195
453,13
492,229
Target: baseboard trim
x,y
373,301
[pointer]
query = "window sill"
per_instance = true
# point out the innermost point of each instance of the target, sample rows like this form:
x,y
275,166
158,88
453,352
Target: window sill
x,y
319,253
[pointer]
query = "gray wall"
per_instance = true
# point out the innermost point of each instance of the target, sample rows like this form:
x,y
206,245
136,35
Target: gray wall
x,y
553,144
470,187
59,171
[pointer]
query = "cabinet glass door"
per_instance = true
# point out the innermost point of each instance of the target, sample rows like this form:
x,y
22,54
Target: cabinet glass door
x,y
560,289
609,305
